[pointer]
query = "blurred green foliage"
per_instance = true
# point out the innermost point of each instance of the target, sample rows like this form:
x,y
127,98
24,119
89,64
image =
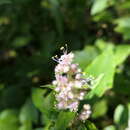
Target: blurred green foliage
x,y
32,31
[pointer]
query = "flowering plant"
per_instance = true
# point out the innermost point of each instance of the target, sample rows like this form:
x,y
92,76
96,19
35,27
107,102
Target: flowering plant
x,y
75,99
71,85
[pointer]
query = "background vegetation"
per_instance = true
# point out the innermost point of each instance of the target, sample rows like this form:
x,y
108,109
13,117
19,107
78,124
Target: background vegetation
x,y
32,31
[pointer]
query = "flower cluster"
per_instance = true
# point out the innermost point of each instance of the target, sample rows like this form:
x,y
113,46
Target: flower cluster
x,y
71,86
85,114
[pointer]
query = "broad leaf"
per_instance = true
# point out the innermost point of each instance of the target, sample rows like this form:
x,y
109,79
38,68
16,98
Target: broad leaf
x,y
28,113
103,64
45,103
96,108
26,126
110,127
121,53
37,97
123,26
121,116
9,120
85,57
64,119
98,6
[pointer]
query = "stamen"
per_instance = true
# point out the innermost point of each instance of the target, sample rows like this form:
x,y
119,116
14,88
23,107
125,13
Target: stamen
x,y
55,59
66,48
62,48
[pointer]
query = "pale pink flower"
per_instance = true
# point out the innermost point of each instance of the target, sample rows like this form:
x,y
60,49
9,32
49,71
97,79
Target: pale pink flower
x,y
78,76
78,84
61,68
69,85
73,106
86,112
66,59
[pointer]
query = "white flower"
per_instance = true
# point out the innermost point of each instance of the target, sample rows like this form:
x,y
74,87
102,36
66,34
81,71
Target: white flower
x,y
79,70
66,59
78,76
78,84
73,66
69,85
66,69
86,107
81,95
61,105
54,82
73,106
86,112
57,89
70,95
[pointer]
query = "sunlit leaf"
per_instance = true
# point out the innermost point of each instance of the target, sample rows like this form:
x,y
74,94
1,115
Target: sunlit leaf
x,y
85,57
123,26
110,127
103,64
121,53
98,6
121,116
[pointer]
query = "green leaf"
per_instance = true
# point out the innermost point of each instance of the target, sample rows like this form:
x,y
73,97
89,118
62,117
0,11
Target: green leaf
x,y
103,64
82,127
26,126
85,57
48,86
102,45
96,82
96,109
110,127
64,118
90,126
44,103
121,53
128,126
39,129
38,98
98,6
121,115
123,26
28,113
129,111
9,120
